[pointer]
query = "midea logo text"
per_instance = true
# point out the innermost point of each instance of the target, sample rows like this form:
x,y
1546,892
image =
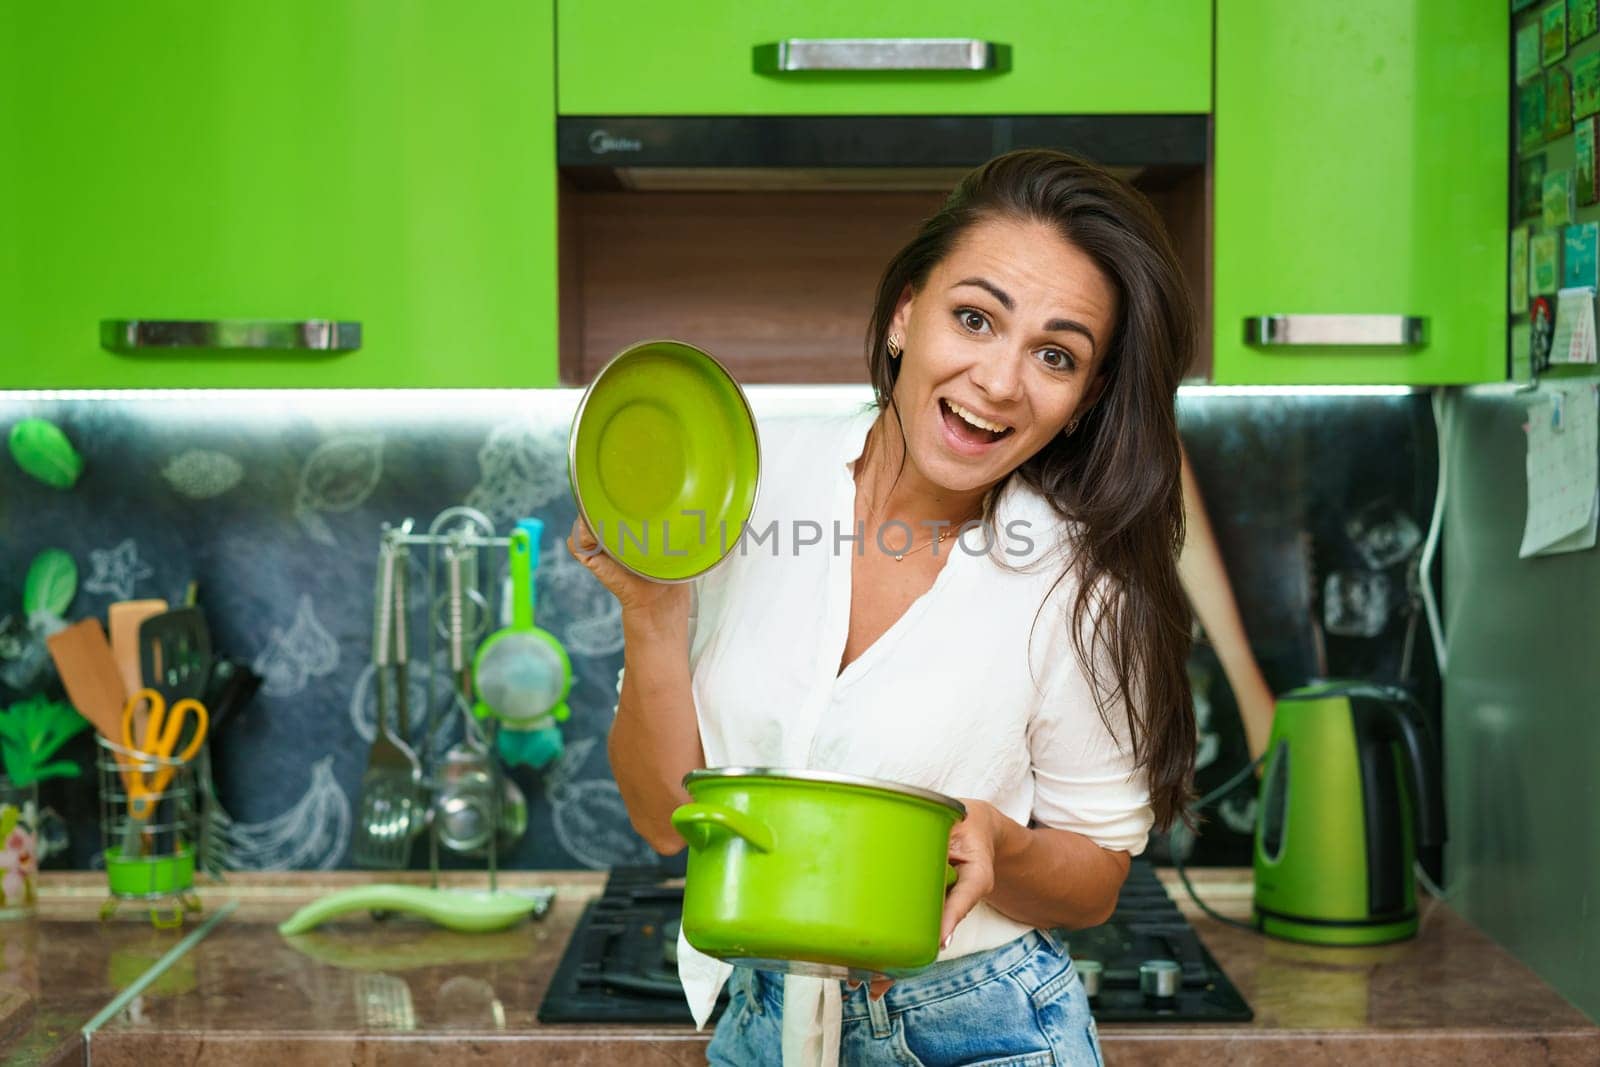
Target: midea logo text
x,y
601,142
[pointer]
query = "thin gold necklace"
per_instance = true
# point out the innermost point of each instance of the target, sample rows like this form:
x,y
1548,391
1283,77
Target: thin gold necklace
x,y
938,539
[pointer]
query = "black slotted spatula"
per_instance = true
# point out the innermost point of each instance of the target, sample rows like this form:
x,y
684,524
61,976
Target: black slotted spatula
x,y
175,654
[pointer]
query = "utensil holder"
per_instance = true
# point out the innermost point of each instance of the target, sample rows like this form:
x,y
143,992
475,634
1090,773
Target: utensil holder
x,y
464,530
161,874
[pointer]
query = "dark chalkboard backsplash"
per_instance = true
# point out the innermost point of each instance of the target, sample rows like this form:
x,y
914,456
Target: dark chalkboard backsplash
x,y
273,501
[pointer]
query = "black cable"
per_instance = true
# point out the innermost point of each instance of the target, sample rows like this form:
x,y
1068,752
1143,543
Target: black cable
x,y
1230,785
1203,906
1204,802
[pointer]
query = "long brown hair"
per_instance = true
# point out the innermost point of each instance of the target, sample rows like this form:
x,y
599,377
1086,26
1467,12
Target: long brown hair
x,y
1117,476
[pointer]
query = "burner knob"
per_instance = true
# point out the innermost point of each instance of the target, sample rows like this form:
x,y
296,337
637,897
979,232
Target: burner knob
x,y
1089,971
1160,979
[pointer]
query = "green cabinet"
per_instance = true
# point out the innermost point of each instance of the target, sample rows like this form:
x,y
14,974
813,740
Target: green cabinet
x,y
1360,171
389,162
639,57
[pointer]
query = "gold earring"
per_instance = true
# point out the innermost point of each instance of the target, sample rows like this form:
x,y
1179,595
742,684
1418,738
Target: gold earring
x,y
894,347
1071,427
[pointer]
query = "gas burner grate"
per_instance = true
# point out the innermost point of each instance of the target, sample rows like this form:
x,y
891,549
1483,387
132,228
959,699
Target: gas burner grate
x,y
621,965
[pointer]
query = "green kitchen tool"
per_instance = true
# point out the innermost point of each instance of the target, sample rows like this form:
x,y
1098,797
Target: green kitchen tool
x,y
664,460
522,674
464,910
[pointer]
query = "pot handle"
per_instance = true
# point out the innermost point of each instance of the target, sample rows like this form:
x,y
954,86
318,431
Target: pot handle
x,y
698,823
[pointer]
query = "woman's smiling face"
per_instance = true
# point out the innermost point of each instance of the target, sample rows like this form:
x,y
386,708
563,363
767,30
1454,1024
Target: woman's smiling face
x,y
1003,348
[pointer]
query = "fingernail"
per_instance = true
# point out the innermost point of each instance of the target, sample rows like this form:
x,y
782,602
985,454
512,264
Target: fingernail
x,y
946,942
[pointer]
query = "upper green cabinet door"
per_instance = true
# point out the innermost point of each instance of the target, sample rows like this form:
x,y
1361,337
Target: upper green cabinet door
x,y
389,162
1361,162
639,57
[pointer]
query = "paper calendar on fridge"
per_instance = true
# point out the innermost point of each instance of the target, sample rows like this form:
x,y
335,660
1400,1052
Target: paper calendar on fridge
x,y
1563,471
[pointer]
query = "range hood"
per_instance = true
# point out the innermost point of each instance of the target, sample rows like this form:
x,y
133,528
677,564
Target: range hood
x,y
911,152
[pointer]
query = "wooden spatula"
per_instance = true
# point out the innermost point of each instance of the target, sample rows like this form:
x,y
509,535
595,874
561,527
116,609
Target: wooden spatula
x,y
123,619
89,671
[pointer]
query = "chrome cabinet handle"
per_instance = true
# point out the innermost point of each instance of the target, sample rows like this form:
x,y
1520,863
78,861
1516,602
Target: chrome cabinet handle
x,y
313,335
1290,331
796,55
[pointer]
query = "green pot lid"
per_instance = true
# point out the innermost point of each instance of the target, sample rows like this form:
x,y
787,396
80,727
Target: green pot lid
x,y
662,435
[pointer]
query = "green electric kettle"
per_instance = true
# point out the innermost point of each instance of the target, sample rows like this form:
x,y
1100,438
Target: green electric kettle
x,y
1349,795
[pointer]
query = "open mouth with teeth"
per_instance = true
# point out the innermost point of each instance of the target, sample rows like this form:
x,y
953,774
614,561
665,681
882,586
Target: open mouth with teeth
x,y
970,427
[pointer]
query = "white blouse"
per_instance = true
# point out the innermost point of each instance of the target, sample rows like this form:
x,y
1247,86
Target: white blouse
x,y
975,692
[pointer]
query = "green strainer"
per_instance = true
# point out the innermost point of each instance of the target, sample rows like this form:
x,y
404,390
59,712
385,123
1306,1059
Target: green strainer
x,y
521,672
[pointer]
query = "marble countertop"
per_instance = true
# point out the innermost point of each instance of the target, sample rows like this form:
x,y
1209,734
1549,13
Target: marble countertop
x,y
354,991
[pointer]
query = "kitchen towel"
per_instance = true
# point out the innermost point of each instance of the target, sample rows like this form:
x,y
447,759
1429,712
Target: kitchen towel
x,y
812,1007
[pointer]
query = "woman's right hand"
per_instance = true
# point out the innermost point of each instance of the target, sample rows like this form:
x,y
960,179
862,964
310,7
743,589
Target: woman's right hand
x,y
641,598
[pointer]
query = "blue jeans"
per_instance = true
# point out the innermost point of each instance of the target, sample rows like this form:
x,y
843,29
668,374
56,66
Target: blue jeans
x,y
1020,1005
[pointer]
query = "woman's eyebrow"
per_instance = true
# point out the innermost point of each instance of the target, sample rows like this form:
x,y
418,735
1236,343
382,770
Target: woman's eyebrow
x,y
1053,326
994,291
1072,326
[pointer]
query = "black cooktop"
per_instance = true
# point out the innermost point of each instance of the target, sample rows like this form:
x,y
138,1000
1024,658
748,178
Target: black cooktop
x,y
1147,926
621,963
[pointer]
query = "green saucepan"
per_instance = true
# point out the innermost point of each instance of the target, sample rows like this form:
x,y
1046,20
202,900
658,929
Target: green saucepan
x,y
813,872
664,460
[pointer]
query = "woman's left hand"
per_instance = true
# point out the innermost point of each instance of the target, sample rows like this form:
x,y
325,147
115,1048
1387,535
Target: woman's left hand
x,y
972,847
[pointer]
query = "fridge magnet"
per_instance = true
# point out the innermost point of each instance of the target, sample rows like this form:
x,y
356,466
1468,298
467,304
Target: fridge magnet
x,y
1530,114
1557,103
1527,52
1544,255
1530,185
1583,147
1542,320
1553,19
1583,19
1521,343
1557,201
1586,86
1519,270
1579,255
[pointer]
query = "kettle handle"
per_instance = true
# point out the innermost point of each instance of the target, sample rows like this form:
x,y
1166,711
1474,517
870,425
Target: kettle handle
x,y
1422,769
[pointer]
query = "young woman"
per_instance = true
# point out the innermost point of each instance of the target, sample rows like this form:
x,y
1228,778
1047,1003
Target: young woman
x,y
1025,351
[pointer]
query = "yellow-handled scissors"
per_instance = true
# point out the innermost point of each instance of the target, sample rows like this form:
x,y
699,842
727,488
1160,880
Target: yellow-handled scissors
x,y
163,728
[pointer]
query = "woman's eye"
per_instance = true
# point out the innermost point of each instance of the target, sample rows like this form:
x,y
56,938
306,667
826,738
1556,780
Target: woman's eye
x,y
1056,359
972,320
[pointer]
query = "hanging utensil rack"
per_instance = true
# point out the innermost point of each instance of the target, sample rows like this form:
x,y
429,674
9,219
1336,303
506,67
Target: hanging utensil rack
x,y
468,532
